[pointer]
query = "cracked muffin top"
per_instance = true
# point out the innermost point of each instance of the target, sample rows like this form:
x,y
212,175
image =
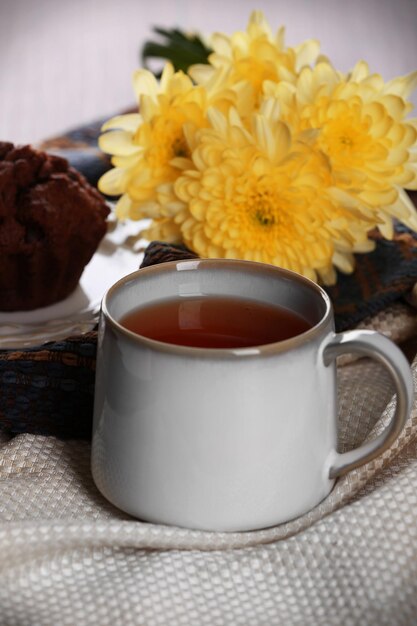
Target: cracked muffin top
x,y
51,222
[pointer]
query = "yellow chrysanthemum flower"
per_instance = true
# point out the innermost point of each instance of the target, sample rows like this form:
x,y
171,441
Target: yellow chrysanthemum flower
x,y
150,148
254,56
258,197
364,133
266,158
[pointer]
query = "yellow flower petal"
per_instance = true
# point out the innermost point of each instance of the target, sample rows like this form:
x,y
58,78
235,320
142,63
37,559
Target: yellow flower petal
x,y
403,86
344,262
403,209
394,105
129,122
360,72
386,226
123,207
112,182
306,53
200,73
144,82
118,142
167,76
149,107
304,85
217,120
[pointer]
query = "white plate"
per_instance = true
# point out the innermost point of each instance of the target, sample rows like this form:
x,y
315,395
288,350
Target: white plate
x,y
78,313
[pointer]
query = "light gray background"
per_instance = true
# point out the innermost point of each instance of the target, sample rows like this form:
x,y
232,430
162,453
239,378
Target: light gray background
x,y
63,63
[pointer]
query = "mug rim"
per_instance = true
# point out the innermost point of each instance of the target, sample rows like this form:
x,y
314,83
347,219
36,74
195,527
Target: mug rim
x,y
243,265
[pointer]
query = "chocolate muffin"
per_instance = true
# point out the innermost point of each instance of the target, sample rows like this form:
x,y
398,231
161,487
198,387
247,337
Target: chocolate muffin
x,y
51,222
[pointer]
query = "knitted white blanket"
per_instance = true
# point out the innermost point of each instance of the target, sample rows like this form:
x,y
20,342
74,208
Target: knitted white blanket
x,y
67,557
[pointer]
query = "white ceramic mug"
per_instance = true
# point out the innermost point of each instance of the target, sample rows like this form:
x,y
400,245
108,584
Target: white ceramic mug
x,y
226,439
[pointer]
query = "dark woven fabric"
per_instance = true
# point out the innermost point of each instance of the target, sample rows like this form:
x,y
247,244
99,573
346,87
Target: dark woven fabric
x,y
161,252
381,277
49,390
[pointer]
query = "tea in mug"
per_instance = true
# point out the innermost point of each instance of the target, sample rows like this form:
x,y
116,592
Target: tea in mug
x,y
214,322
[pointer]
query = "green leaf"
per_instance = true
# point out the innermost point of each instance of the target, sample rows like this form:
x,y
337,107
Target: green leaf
x,y
181,49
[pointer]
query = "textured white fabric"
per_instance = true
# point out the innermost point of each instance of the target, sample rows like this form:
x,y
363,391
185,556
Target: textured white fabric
x,y
67,557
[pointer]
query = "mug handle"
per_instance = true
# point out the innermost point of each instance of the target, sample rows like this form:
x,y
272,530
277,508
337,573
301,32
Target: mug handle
x,y
373,344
